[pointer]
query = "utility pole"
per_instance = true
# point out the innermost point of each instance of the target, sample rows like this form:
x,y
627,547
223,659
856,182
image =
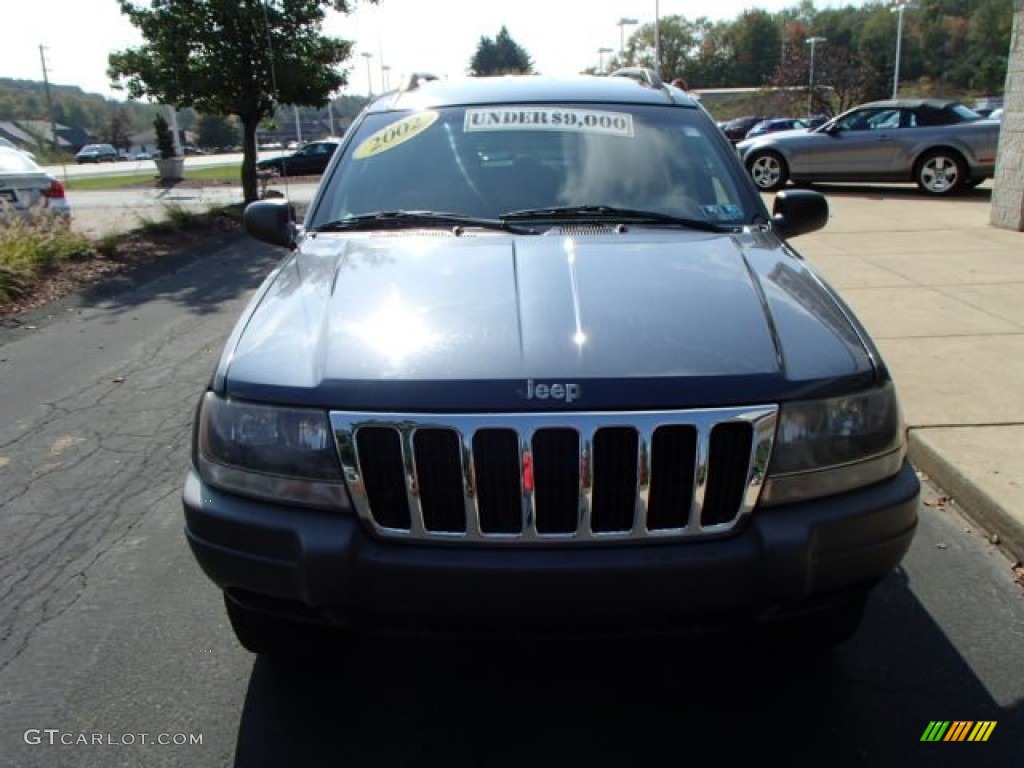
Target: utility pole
x,y
49,101
369,74
622,24
657,39
899,9
812,41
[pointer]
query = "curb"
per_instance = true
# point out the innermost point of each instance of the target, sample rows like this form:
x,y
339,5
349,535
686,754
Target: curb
x,y
969,496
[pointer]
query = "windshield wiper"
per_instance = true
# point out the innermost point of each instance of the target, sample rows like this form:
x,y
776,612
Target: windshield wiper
x,y
623,215
400,219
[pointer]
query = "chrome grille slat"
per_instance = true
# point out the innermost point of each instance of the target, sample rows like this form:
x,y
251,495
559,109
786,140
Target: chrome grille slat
x,y
587,480
700,479
483,488
411,484
470,489
645,438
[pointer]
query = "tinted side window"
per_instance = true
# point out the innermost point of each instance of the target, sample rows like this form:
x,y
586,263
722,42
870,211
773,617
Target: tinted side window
x,y
931,116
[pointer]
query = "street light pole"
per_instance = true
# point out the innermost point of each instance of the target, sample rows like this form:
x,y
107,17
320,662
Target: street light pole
x,y
622,24
601,52
898,9
812,41
657,39
384,75
369,74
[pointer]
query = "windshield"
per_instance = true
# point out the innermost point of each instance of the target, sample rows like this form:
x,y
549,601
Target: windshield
x,y
965,113
488,161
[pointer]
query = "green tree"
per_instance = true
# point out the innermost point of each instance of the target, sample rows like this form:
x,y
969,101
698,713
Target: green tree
x,y
679,43
117,131
215,56
712,63
842,80
756,45
216,131
500,56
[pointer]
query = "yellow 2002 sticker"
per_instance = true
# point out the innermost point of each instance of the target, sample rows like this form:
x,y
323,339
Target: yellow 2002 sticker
x,y
392,135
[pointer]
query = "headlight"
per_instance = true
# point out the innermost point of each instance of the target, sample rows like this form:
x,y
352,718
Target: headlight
x,y
824,447
280,454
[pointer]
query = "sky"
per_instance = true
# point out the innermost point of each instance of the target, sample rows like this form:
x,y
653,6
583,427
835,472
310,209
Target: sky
x,y
438,36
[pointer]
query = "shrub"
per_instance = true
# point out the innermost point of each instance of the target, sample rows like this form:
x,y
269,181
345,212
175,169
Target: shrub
x,y
164,137
29,247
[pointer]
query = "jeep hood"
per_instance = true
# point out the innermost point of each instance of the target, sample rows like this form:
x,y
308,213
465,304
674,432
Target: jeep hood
x,y
426,320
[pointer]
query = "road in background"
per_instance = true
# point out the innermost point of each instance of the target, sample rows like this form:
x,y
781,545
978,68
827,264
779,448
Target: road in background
x,y
100,212
73,170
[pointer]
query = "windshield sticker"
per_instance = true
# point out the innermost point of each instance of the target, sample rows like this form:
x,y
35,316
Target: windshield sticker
x,y
392,135
722,212
549,119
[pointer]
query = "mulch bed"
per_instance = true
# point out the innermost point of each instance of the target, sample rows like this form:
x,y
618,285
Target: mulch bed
x,y
134,250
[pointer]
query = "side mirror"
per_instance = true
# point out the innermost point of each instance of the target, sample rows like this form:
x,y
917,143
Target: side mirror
x,y
271,221
798,211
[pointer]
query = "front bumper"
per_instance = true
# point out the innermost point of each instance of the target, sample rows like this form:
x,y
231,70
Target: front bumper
x,y
324,567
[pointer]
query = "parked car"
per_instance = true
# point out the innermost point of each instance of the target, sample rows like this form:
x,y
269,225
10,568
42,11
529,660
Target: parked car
x,y
776,124
538,357
311,160
996,114
26,191
97,153
737,128
941,145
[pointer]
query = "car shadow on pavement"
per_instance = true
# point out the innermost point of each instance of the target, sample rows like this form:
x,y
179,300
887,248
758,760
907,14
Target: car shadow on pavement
x,y
198,279
634,702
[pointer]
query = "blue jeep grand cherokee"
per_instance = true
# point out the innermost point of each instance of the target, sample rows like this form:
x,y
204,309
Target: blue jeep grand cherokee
x,y
538,356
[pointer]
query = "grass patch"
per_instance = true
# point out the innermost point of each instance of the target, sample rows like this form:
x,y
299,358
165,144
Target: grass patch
x,y
27,248
177,218
124,180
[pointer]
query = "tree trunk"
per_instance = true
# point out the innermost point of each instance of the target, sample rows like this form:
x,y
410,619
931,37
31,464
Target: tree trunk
x,y
250,188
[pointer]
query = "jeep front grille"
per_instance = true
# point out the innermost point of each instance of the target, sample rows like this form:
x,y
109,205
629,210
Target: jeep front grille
x,y
555,477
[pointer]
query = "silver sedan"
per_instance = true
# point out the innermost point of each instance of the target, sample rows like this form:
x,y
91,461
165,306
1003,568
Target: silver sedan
x,y
26,191
941,145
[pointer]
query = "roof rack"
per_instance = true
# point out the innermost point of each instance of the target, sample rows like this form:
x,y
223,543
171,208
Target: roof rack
x,y
416,79
643,75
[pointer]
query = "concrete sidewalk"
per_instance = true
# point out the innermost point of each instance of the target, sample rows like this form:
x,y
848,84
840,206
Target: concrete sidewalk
x,y
942,293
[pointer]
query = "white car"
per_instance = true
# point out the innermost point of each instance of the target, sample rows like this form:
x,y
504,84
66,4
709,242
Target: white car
x,y
26,191
5,143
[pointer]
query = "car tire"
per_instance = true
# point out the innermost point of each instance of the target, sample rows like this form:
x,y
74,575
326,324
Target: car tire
x,y
940,172
768,170
263,634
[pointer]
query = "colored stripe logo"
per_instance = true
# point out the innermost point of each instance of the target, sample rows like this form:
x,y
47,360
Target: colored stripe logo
x,y
958,730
